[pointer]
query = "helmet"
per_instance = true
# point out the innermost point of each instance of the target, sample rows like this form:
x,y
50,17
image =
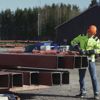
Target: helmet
x,y
92,30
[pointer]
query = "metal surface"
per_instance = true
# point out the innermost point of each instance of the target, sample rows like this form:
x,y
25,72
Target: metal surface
x,y
30,78
65,77
54,78
81,62
4,81
70,62
29,61
45,79
16,80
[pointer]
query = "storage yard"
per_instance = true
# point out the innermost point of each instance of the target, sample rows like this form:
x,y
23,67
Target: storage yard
x,y
41,74
26,85
40,57
57,92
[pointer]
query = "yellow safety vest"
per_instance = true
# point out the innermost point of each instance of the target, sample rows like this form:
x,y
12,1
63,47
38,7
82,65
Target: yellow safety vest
x,y
88,43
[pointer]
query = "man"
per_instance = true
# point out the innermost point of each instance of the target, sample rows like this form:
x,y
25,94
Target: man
x,y
88,45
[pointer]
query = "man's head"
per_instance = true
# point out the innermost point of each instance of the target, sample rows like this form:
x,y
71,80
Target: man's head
x,y
92,29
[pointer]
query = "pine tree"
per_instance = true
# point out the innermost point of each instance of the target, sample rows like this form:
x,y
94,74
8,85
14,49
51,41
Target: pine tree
x,y
93,2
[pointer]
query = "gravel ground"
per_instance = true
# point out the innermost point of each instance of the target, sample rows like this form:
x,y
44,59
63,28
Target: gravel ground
x,y
63,92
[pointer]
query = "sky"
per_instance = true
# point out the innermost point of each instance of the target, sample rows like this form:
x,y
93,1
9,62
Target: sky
x,y
14,4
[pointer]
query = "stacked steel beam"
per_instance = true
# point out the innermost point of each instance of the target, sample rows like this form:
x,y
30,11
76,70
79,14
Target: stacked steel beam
x,y
51,66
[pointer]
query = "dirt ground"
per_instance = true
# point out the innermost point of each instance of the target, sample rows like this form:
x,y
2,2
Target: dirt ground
x,y
63,92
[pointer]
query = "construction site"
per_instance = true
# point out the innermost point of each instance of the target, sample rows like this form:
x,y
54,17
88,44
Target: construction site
x,y
39,66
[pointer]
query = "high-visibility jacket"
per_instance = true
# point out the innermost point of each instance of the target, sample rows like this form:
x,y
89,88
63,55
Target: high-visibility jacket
x,y
87,43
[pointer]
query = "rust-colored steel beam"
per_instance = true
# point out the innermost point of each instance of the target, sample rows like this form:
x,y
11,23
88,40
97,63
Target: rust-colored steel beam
x,y
16,79
30,78
27,59
50,78
4,81
47,61
54,78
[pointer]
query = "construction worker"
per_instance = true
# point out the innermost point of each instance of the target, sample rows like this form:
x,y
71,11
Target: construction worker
x,y
88,45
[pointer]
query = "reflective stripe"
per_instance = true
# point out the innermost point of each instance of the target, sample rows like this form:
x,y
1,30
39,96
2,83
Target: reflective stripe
x,y
88,43
91,58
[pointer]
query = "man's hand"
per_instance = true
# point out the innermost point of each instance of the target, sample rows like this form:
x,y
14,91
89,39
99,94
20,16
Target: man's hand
x,y
82,52
87,52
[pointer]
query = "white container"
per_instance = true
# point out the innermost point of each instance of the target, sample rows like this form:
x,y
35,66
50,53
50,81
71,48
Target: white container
x,y
43,47
48,47
67,48
4,98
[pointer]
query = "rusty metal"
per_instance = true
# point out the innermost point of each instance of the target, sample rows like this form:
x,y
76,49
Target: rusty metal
x,y
4,81
30,78
27,59
69,62
57,78
45,79
16,80
41,61
26,78
54,78
65,77
81,62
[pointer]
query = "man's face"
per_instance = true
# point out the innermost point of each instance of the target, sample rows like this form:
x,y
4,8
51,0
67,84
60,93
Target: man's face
x,y
89,34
